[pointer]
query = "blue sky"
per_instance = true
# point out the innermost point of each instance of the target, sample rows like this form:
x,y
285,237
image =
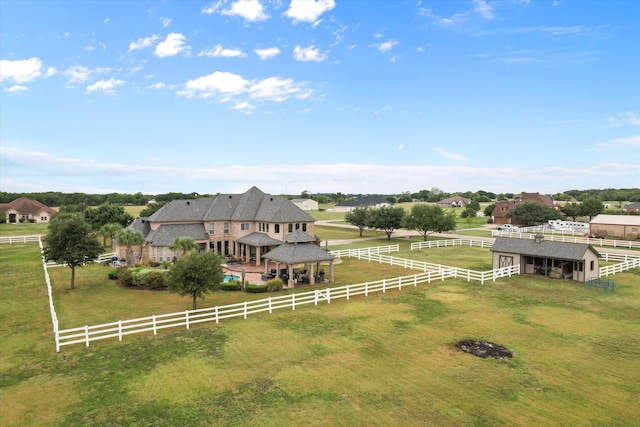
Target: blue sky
x,y
319,96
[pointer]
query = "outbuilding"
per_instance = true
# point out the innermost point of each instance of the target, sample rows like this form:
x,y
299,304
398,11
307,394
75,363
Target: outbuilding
x,y
557,260
625,226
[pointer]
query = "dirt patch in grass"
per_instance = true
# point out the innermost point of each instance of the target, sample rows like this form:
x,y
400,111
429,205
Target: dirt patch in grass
x,y
484,349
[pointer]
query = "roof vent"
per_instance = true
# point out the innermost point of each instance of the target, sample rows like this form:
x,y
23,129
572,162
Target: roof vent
x,y
539,238
272,199
230,196
188,203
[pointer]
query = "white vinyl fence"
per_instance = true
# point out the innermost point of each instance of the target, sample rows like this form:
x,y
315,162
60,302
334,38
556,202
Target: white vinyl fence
x,y
450,242
19,239
87,334
624,244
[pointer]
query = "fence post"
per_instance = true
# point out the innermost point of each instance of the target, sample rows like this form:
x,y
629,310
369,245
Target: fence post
x,y
270,305
384,286
155,331
328,296
119,330
366,289
186,318
399,283
245,309
86,334
216,312
348,287
293,302
315,297
57,336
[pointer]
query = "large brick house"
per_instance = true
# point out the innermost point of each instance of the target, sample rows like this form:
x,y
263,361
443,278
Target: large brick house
x,y
240,226
27,210
499,214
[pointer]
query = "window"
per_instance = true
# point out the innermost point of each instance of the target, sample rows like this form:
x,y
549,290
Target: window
x,y
276,228
211,228
297,226
244,226
290,228
226,228
592,265
304,227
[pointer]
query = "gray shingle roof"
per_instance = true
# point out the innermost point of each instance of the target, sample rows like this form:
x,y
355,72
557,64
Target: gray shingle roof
x,y
297,253
142,225
259,239
549,249
299,236
166,234
182,210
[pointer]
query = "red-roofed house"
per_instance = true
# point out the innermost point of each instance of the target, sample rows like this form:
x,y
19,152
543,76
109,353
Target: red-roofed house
x,y
26,210
499,214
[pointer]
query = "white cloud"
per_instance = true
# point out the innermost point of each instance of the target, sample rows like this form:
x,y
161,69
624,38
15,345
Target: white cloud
x,y
16,89
267,53
386,46
217,83
401,147
105,86
250,10
229,87
219,51
165,22
385,108
143,42
310,53
173,45
80,74
20,71
452,20
308,10
451,156
631,141
483,9
51,71
628,118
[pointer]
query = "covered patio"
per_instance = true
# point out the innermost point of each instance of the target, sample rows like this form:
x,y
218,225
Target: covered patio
x,y
298,260
251,247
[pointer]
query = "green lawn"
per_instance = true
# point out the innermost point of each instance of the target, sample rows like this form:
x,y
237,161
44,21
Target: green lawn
x,y
384,360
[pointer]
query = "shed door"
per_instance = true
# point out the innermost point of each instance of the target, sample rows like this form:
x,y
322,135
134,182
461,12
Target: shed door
x,y
505,261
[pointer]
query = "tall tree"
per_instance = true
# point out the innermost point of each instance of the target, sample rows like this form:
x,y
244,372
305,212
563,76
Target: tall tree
x,y
358,217
428,219
70,241
591,206
130,238
195,275
533,212
109,231
386,218
107,213
184,245
572,210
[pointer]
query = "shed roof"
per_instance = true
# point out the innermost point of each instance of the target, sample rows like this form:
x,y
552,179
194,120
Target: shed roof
x,y
616,219
545,248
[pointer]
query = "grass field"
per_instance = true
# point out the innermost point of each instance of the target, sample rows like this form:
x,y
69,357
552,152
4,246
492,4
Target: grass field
x,y
384,360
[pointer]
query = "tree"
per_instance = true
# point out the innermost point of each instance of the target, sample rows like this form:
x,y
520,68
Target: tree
x,y
130,238
488,210
109,231
195,275
572,210
358,217
150,209
533,212
591,206
70,241
428,219
386,218
184,245
107,213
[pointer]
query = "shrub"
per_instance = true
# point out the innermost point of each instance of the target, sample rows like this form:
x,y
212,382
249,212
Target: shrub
x,y
125,277
155,280
113,276
232,285
274,285
255,289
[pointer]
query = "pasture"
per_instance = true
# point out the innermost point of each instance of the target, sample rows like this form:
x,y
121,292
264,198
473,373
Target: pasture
x,y
389,359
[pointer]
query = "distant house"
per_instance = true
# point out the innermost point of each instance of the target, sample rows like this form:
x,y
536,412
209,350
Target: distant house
x,y
306,204
557,260
499,214
27,210
626,226
372,201
239,226
632,207
454,202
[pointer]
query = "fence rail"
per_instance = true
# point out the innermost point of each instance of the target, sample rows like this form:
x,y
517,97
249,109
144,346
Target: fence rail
x,y
363,251
624,244
87,334
19,239
619,268
450,242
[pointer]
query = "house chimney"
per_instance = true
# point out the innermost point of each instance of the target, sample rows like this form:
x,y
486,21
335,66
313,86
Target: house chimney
x,y
539,238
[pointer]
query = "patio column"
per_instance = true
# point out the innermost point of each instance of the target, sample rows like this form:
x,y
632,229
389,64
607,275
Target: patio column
x,y
291,280
331,271
312,275
258,261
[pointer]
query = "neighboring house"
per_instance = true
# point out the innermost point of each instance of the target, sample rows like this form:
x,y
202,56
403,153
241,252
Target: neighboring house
x,y
632,207
626,226
371,201
306,204
27,210
239,226
499,214
454,202
557,260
